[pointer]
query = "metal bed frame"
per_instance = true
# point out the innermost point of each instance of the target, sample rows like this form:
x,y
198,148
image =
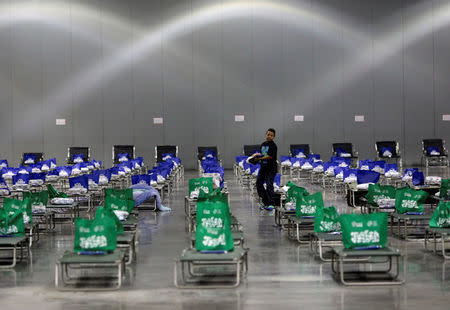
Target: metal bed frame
x,y
342,256
436,236
72,261
207,268
13,244
429,159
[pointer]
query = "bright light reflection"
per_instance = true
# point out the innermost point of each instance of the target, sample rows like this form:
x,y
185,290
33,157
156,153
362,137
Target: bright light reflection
x,y
357,62
373,56
178,26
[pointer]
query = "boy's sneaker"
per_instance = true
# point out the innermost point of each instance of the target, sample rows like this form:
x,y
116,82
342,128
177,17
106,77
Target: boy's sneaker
x,y
262,207
269,208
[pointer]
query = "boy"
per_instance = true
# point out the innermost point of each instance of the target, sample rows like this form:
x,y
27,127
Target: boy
x,y
268,170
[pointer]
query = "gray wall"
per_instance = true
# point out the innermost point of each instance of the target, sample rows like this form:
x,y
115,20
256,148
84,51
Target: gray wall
x,y
110,66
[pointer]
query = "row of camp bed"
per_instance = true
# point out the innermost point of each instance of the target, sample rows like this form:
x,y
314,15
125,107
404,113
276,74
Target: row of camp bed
x,y
194,269
60,214
413,227
116,151
328,181
402,226
408,226
74,271
95,195
84,203
85,153
434,151
15,249
245,178
54,214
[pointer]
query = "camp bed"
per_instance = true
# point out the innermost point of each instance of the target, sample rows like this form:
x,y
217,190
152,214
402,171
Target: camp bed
x,y
368,262
64,213
428,159
407,226
71,271
206,268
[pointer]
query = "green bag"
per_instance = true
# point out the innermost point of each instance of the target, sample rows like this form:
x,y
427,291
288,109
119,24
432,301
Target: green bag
x,y
204,185
216,194
307,206
124,194
441,216
37,198
408,200
377,191
444,192
360,231
98,234
118,204
24,206
326,220
103,212
290,184
294,193
213,227
11,223
53,193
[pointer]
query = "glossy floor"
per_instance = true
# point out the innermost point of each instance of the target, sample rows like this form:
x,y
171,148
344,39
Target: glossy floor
x,y
282,274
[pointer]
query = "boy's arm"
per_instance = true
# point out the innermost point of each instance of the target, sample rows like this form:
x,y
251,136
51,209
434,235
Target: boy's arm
x,y
270,154
265,157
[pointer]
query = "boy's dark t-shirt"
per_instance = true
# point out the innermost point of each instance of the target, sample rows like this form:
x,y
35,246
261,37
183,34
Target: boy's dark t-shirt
x,y
269,148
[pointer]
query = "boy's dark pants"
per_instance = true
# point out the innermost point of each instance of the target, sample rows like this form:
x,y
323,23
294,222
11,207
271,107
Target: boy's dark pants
x,y
266,194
